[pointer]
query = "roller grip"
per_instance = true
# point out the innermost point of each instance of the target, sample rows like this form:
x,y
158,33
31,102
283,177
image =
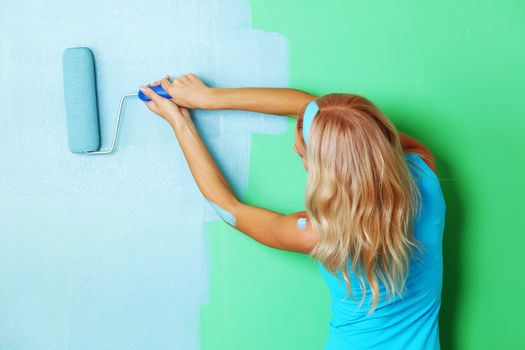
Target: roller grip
x,y
158,89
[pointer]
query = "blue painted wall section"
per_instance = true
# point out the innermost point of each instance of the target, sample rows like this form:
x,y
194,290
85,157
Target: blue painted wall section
x,y
107,252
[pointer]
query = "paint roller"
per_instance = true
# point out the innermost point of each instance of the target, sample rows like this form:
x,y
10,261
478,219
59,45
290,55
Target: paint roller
x,y
80,94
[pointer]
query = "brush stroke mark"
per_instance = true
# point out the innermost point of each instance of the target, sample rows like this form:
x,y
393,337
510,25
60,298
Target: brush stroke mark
x,y
301,224
225,215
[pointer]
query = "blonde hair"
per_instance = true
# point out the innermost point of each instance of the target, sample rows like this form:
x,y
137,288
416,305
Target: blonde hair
x,y
360,195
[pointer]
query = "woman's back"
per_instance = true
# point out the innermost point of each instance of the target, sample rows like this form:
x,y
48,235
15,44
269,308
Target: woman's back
x,y
410,322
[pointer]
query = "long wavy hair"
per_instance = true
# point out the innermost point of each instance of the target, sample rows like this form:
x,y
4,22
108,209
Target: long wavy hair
x,y
360,195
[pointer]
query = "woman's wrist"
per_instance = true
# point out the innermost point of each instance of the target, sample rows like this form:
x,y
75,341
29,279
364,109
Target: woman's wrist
x,y
214,99
180,121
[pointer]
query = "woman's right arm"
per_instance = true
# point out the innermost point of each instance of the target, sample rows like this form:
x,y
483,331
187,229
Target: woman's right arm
x,y
190,92
280,101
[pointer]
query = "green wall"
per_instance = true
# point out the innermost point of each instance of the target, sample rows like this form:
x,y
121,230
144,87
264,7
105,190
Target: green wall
x,y
448,73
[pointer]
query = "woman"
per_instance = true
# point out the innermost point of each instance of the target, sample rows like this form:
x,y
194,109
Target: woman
x,y
374,214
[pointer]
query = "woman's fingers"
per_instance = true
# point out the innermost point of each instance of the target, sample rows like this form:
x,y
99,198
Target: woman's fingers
x,y
165,83
186,90
151,106
157,83
150,93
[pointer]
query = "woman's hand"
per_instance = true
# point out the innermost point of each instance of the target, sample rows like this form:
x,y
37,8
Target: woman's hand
x,y
165,108
188,91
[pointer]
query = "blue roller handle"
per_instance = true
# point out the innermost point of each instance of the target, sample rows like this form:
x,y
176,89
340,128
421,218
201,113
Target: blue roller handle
x,y
158,89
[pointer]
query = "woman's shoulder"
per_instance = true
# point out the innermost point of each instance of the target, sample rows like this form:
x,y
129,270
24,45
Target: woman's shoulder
x,y
424,154
420,163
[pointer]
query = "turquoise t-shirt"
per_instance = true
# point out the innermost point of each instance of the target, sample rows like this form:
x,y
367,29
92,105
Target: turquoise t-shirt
x,y
404,323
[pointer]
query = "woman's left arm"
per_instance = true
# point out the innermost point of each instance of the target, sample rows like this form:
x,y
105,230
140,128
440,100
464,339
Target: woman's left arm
x,y
287,232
